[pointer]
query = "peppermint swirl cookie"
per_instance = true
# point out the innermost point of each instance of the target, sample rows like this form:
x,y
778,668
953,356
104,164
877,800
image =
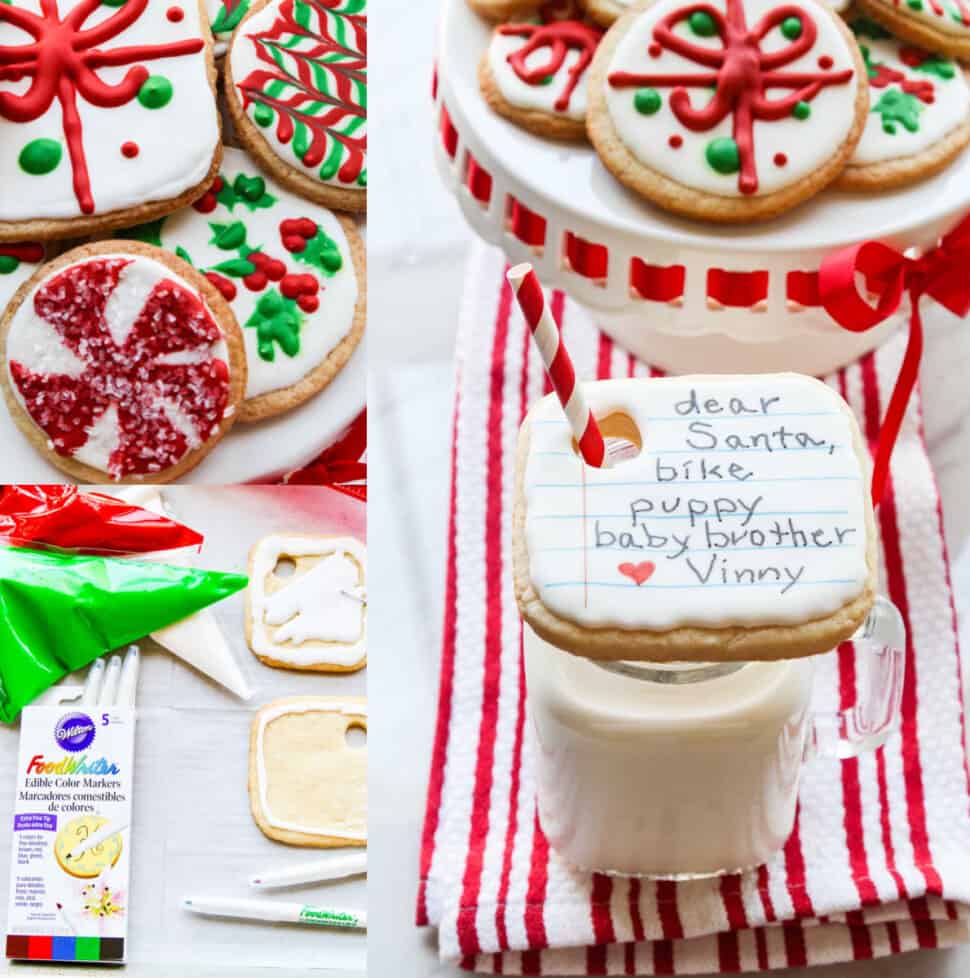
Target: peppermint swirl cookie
x,y
919,116
728,110
121,362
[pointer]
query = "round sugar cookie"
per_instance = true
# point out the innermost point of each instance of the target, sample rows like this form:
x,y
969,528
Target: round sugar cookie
x,y
535,74
121,362
940,26
306,603
500,10
107,114
607,12
95,860
296,86
731,111
17,263
919,115
293,273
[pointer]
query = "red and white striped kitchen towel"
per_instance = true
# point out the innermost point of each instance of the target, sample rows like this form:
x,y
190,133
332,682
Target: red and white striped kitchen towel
x,y
879,861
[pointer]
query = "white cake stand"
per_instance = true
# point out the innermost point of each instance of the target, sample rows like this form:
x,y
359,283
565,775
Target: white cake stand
x,y
558,207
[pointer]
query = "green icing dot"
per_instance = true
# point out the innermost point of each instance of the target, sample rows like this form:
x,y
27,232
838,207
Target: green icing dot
x,y
114,3
791,27
8,264
914,4
647,101
263,115
723,156
548,80
702,24
362,179
40,156
802,110
156,92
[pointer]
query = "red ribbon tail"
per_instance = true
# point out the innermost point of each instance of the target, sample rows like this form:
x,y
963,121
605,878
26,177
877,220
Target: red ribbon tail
x,y
898,402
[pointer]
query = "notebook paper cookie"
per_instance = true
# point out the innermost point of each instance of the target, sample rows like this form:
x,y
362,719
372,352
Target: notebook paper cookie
x,y
743,529
307,786
306,603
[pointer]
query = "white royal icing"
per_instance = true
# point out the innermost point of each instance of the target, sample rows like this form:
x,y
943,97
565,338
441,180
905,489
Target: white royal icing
x,y
11,281
748,498
352,710
941,104
34,343
806,144
948,16
321,330
176,143
291,57
537,97
324,604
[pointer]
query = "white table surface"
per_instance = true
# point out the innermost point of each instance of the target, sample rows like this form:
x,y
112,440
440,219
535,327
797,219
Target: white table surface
x,y
418,247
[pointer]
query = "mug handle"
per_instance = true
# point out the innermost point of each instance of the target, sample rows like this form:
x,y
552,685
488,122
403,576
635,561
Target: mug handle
x,y
880,646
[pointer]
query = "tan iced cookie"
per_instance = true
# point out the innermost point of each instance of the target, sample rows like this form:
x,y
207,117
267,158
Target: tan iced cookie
x,y
536,74
127,134
293,273
919,115
502,10
306,604
606,12
742,529
940,26
121,362
769,137
307,785
297,96
94,861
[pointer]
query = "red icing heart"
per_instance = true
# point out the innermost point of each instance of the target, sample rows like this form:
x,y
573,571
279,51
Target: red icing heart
x,y
638,572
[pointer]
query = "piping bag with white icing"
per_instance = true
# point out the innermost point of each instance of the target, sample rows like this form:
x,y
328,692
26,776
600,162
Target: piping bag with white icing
x,y
197,640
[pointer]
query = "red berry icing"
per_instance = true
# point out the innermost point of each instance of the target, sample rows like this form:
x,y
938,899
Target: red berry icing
x,y
208,202
302,288
296,232
169,392
129,150
223,284
270,267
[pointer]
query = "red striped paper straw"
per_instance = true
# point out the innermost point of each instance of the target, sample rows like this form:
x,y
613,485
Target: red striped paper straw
x,y
532,302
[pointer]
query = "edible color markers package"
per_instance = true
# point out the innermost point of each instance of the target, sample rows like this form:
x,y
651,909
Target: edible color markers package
x,y
70,858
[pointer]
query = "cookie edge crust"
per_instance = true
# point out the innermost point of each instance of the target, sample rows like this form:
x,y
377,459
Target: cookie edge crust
x,y
730,644
687,201
277,402
218,308
288,836
70,228
352,200
604,12
536,121
502,10
249,615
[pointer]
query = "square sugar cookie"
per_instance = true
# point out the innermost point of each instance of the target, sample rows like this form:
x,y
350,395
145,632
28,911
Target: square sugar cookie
x,y
306,605
307,785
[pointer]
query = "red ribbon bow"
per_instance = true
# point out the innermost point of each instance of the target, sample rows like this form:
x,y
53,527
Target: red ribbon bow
x,y
340,464
942,273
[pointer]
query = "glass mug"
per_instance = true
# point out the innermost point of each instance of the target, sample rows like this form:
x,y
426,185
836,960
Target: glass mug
x,y
687,770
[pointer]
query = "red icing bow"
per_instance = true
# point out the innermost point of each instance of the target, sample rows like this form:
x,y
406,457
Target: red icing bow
x,y
340,466
942,273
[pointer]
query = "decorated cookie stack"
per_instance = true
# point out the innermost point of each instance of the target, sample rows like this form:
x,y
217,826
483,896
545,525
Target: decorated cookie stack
x,y
738,110
230,291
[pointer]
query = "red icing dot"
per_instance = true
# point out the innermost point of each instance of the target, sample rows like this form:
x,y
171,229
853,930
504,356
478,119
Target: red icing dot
x,y
255,282
780,159
223,284
308,303
174,14
675,141
655,50
825,62
140,378
129,150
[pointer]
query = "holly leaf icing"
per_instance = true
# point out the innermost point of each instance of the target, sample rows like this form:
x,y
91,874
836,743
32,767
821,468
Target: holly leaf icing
x,y
235,267
277,321
247,191
898,107
229,16
321,252
228,237
183,254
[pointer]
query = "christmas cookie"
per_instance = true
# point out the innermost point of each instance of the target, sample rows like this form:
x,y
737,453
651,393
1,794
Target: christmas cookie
x,y
742,529
296,83
941,26
306,605
605,12
732,110
92,862
17,263
535,74
500,10
107,114
293,273
120,361
307,785
919,112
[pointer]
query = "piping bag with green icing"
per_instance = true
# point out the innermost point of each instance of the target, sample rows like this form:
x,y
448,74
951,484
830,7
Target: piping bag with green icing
x,y
59,612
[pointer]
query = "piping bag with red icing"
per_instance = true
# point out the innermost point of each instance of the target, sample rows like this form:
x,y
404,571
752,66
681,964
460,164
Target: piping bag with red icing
x,y
60,611
63,518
